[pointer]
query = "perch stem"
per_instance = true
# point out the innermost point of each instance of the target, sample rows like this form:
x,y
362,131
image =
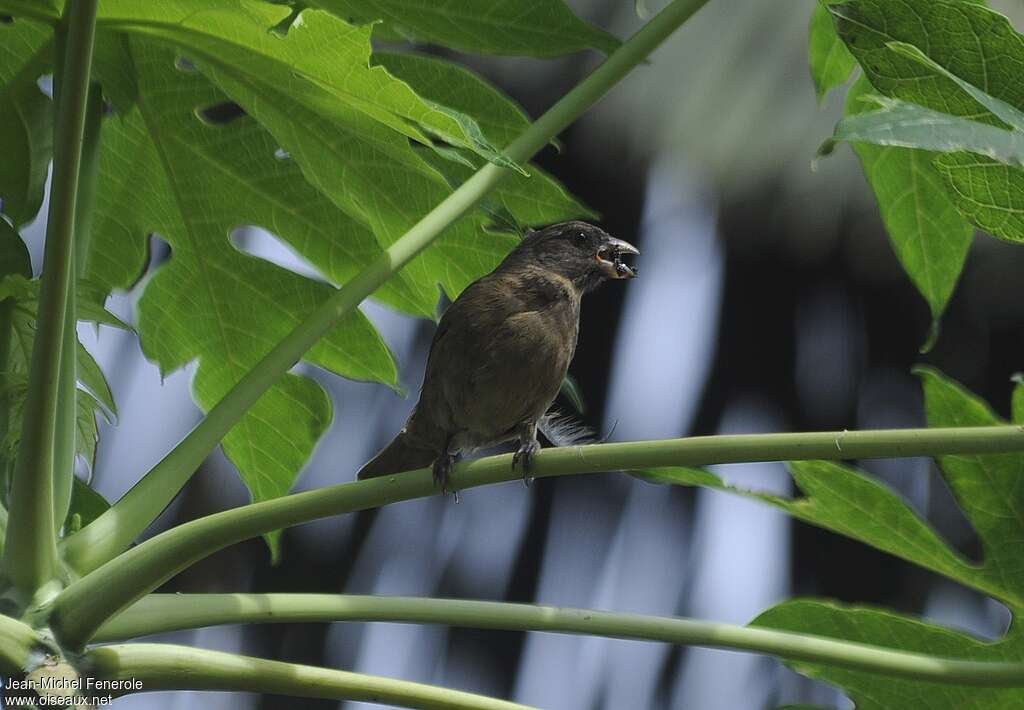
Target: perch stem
x,y
160,613
89,602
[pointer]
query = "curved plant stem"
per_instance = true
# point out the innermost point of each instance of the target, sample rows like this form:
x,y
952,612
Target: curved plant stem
x,y
167,667
116,529
90,601
160,613
30,552
17,641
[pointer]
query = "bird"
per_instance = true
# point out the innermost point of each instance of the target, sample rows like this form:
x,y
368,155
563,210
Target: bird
x,y
501,351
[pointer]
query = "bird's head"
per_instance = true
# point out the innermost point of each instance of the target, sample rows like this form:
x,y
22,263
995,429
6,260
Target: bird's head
x,y
583,253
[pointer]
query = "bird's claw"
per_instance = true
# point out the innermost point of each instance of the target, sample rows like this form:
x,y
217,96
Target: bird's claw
x,y
524,457
442,474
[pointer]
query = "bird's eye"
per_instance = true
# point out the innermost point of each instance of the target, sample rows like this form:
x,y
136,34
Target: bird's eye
x,y
581,236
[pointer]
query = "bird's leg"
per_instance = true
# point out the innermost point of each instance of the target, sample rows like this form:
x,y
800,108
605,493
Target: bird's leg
x,y
528,446
443,465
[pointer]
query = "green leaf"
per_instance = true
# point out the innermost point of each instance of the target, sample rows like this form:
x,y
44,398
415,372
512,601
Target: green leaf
x,y
212,302
20,297
985,486
37,9
684,476
906,125
91,377
884,628
1004,111
846,501
519,201
86,505
16,285
14,261
87,433
449,84
989,194
831,62
962,39
322,60
987,489
925,52
307,95
26,118
386,186
533,199
538,28
909,125
928,234
14,256
112,68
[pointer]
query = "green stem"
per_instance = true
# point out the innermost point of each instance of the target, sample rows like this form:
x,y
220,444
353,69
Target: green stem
x,y
116,529
30,552
90,601
17,643
167,667
3,528
160,613
67,431
6,322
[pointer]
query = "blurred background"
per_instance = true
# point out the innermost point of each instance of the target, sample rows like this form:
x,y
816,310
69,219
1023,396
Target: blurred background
x,y
769,300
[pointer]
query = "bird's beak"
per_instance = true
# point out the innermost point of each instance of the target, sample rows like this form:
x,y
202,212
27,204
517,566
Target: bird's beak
x,y
609,256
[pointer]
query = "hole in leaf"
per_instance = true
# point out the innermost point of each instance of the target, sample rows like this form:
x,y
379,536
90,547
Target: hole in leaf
x,y
282,154
220,114
158,252
185,65
948,519
258,242
45,84
282,27
966,610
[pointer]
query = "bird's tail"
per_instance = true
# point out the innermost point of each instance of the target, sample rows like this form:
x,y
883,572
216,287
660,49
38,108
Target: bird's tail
x,y
565,430
402,454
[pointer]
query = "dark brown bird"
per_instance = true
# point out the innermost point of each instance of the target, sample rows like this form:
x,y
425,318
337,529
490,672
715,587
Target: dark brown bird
x,y
501,351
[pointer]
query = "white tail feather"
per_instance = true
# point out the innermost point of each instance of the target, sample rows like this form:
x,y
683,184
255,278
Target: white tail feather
x,y
565,430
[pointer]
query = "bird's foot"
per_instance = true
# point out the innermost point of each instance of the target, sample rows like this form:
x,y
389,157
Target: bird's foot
x,y
443,466
524,457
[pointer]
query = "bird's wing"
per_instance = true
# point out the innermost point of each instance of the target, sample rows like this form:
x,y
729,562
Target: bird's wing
x,y
498,357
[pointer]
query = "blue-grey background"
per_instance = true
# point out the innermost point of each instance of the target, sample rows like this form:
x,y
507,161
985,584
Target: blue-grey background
x,y
769,300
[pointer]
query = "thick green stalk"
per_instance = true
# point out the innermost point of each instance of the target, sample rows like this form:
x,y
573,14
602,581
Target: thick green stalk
x,y
90,601
66,435
3,528
30,559
6,315
67,432
17,644
167,667
160,613
116,529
